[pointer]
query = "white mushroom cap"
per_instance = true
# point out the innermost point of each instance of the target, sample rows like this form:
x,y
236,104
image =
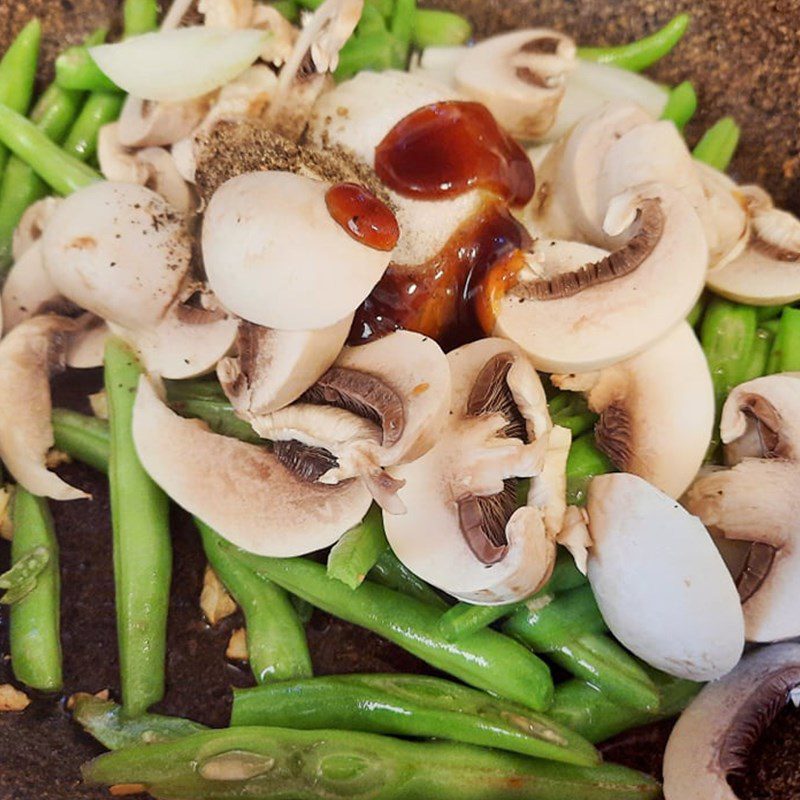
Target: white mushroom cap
x,y
578,320
226,14
118,250
275,256
656,410
273,368
241,490
32,224
713,735
727,218
520,77
768,271
481,550
28,354
87,346
28,288
757,500
662,587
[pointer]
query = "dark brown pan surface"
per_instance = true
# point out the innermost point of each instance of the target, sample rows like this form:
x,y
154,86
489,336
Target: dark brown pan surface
x,y
744,58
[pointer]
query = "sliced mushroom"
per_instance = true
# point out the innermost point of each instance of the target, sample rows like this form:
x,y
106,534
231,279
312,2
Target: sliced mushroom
x,y
28,289
243,491
275,256
32,224
662,587
118,250
278,48
226,14
656,410
756,500
380,405
463,531
307,71
714,734
273,368
768,271
28,355
520,77
572,318
87,346
143,123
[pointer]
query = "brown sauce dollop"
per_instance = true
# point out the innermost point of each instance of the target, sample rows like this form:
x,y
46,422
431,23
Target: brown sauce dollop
x,y
365,218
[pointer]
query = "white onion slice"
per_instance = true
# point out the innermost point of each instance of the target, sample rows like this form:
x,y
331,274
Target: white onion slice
x,y
177,65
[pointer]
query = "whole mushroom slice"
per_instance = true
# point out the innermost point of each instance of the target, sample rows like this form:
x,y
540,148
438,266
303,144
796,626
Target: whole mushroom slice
x,y
656,410
662,587
275,256
28,356
463,530
144,123
768,271
28,289
118,250
379,405
520,77
272,368
31,225
756,500
714,734
577,318
87,346
243,491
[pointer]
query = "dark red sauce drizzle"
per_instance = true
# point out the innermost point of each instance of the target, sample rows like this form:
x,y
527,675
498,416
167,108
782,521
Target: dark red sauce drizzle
x,y
363,216
449,148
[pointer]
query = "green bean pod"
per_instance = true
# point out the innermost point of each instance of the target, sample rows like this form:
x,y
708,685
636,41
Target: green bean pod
x,y
276,642
287,9
570,410
370,51
585,460
570,630
82,437
487,660
785,353
644,52
77,70
218,414
262,763
357,552
142,545
100,109
433,28
681,105
409,705
390,572
718,144
34,625
760,352
402,27
139,16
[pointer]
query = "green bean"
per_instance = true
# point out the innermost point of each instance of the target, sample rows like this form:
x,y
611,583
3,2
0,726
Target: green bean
x,y
82,437
375,51
106,722
34,627
198,389
785,353
767,313
758,364
409,705
18,74
570,630
55,166
139,16
681,105
217,413
21,186
76,69
402,26
372,21
276,642
433,28
718,144
644,52
142,546
597,716
287,9
357,552
390,572
21,579
487,660
262,763
100,109
585,461
570,410
386,7
463,618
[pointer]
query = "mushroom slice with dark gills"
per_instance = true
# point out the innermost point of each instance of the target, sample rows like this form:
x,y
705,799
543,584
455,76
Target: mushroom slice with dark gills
x,y
714,734
465,530
656,410
244,491
379,405
756,500
577,308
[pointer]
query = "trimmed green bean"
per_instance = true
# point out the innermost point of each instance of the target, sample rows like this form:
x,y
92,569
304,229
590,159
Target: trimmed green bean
x,y
644,52
139,16
487,660
570,410
681,105
570,630
390,572
372,21
402,27
106,722
34,621
597,716
718,144
409,705
287,9
432,28
142,545
374,51
76,69
767,313
758,364
585,460
276,642
100,109
785,353
18,74
82,437
55,166
357,552
262,763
